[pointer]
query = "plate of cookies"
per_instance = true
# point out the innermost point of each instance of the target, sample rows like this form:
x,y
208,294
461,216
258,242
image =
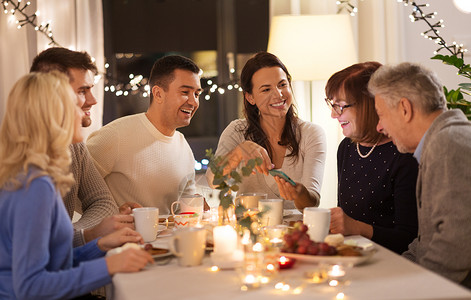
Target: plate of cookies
x,y
156,252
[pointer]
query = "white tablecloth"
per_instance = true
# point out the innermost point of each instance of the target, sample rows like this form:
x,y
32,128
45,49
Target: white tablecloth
x,y
385,276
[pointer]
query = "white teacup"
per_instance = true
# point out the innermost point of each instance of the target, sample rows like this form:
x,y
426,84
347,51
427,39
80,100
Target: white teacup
x,y
189,203
188,244
146,220
274,215
318,222
250,200
184,220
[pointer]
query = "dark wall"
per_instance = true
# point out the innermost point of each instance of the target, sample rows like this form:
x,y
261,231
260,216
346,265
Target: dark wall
x,y
149,26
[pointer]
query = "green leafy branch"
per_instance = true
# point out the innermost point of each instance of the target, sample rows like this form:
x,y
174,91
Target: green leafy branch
x,y
455,98
228,182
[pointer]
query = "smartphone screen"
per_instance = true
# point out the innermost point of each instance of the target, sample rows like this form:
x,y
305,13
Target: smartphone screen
x,y
282,174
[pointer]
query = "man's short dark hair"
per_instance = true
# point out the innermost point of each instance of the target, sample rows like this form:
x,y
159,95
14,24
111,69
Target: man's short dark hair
x,y
162,73
62,59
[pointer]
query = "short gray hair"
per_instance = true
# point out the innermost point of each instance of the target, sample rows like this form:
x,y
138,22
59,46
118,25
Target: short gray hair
x,y
408,80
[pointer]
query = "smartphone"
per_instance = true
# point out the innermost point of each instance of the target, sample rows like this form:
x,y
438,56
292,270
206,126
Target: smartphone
x,y
281,174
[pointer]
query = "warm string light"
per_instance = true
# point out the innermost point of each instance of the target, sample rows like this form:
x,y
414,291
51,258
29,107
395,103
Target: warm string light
x,y
137,84
214,88
201,165
19,8
433,33
346,5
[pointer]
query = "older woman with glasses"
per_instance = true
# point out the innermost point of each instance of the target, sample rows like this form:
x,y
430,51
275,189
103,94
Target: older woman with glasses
x,y
376,183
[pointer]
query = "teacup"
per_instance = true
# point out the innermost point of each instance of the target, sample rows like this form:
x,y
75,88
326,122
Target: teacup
x,y
189,245
189,203
273,211
146,220
186,219
318,221
250,200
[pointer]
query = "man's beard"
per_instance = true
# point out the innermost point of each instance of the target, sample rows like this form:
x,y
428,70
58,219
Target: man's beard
x,y
86,121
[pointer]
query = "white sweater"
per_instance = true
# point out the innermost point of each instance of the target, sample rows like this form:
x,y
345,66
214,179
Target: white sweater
x,y
308,169
142,165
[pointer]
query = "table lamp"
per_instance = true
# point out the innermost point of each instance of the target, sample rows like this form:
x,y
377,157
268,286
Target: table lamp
x,y
313,47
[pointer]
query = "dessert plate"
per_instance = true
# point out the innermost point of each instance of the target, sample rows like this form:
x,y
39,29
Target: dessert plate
x,y
334,259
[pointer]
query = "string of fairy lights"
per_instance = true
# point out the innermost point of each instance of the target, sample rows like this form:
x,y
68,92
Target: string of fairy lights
x,y
137,84
346,5
418,14
18,9
433,33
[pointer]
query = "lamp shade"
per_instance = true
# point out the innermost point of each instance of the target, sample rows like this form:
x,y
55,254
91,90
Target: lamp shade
x,y
313,47
463,5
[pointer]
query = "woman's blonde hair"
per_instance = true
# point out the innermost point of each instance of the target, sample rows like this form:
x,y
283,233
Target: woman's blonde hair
x,y
37,130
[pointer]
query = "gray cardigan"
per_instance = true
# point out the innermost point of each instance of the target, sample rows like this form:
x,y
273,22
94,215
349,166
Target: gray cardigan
x,y
89,195
443,192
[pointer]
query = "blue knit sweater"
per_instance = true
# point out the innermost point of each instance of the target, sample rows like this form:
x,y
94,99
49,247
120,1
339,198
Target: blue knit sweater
x,y
37,260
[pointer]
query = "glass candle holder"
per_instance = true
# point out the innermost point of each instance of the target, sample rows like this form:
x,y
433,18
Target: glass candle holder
x,y
251,272
274,234
286,262
271,264
337,274
318,274
250,281
213,216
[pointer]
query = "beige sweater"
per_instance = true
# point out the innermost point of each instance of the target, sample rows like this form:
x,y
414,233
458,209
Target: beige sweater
x,y
308,169
142,165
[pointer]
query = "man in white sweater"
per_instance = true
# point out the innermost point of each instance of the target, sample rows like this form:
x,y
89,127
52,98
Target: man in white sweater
x,y
142,157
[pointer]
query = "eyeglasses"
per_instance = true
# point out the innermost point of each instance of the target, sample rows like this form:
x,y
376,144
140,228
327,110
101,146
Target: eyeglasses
x,y
337,108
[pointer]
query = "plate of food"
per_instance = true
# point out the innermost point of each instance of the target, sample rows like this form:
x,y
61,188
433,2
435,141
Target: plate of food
x,y
161,228
346,255
209,246
333,250
156,252
166,220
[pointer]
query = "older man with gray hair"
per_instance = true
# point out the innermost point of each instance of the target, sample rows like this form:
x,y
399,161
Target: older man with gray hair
x,y
411,106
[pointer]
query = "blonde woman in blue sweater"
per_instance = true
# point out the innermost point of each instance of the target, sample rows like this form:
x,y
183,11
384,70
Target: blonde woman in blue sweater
x,y
37,260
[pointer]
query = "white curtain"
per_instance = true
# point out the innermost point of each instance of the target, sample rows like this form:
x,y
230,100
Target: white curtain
x,y
15,54
77,25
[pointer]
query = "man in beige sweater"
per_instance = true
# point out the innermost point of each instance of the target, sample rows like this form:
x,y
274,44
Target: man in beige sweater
x,y
142,157
89,194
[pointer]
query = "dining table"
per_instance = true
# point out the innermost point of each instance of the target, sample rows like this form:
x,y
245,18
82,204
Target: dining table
x,y
385,275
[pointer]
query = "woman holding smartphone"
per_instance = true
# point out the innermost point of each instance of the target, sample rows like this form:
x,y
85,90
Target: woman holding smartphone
x,y
37,259
272,131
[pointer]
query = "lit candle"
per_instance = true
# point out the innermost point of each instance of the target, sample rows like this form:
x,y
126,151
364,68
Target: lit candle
x,y
276,242
250,281
286,262
225,240
275,234
258,247
336,272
